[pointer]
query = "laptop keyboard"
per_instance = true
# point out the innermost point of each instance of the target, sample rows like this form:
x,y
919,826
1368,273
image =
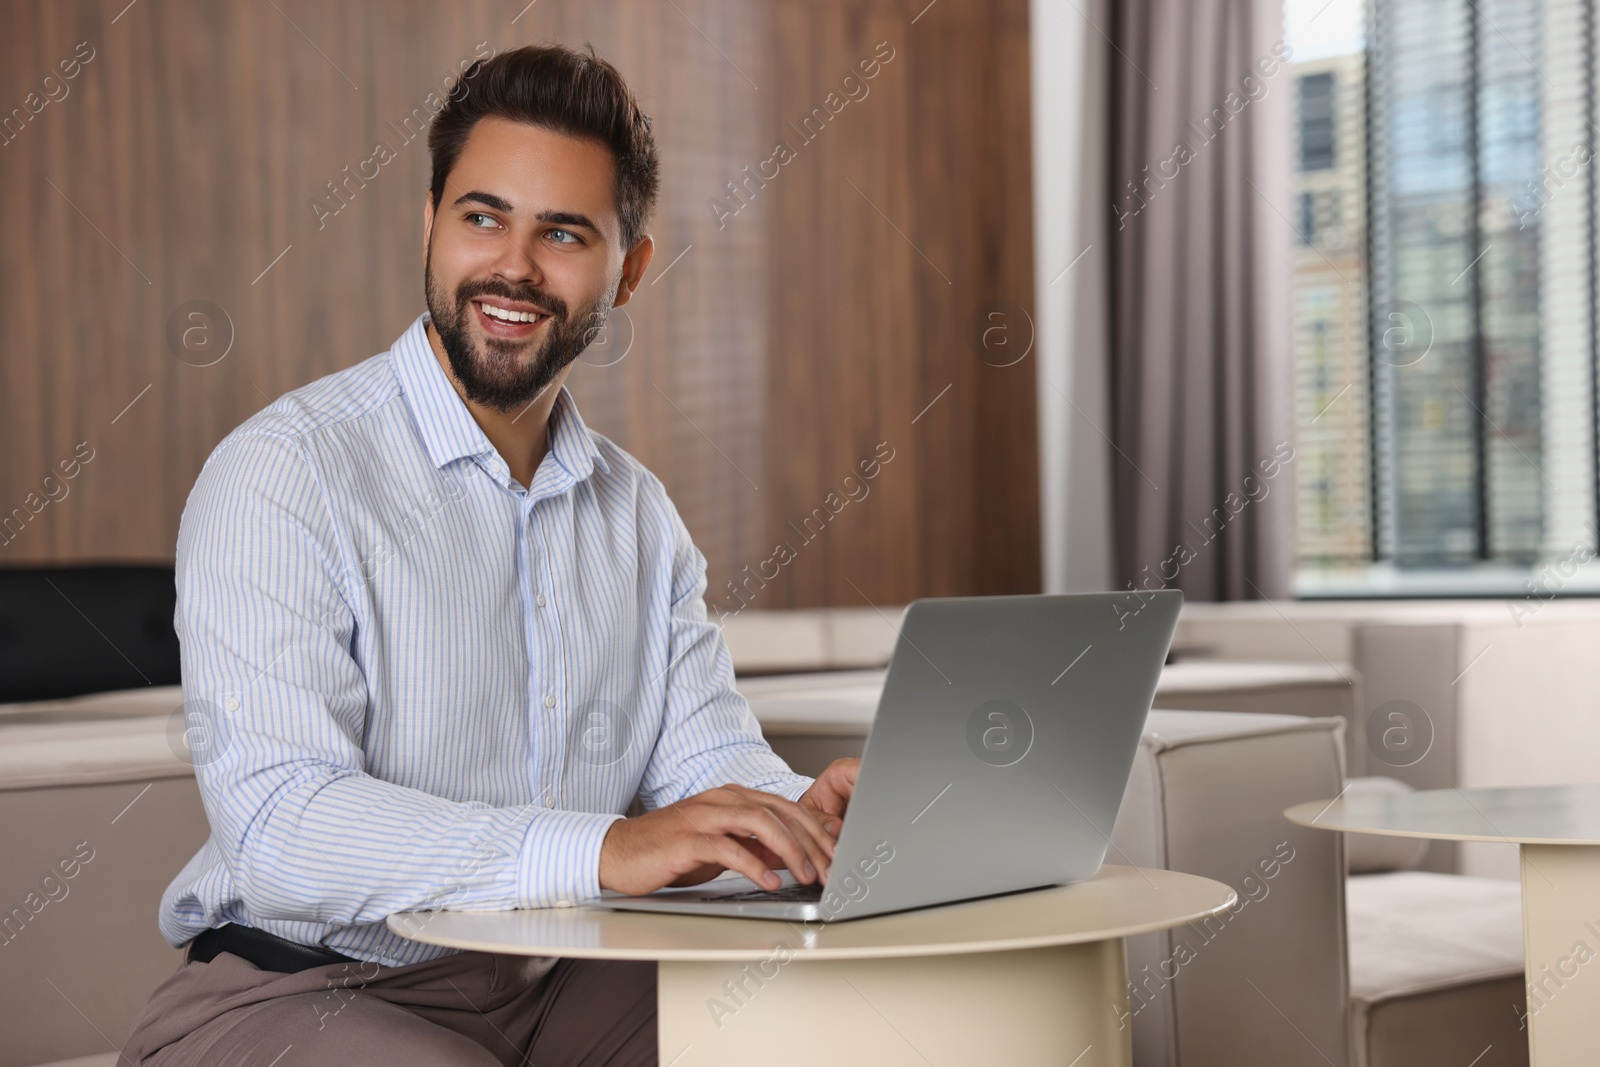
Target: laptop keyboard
x,y
792,894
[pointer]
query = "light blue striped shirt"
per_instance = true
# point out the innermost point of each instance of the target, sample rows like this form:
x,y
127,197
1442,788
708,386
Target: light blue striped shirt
x,y
412,684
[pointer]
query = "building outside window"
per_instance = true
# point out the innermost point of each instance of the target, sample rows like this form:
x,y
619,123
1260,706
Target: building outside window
x,y
1444,299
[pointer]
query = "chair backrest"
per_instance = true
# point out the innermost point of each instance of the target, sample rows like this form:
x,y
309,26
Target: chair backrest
x,y
1266,981
1378,853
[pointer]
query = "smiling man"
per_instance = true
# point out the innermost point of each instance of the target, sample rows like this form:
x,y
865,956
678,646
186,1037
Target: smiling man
x,y
439,635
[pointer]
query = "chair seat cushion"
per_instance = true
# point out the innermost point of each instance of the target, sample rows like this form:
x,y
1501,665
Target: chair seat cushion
x,y
113,704
1435,971
1412,931
91,752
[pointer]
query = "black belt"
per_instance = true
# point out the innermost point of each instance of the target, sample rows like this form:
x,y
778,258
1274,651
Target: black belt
x,y
266,951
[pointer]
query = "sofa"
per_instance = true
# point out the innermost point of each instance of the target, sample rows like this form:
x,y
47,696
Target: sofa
x,y
1503,690
95,786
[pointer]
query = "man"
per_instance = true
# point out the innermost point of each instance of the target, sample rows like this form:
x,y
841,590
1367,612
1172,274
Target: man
x,y
441,635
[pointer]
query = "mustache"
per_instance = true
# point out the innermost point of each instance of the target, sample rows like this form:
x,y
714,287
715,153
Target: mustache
x,y
546,303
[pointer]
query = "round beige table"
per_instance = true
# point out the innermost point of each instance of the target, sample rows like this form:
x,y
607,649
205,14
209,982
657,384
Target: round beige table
x,y
1030,978
1557,829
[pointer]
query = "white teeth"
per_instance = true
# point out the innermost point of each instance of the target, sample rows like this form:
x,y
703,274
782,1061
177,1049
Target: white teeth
x,y
508,316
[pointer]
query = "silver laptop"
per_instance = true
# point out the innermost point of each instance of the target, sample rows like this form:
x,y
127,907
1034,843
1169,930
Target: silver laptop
x,y
996,763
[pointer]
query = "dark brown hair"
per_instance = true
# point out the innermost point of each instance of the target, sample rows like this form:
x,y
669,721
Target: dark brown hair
x,y
573,93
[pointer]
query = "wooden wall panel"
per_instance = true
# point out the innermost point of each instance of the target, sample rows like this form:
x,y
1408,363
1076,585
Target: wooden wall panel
x,y
784,345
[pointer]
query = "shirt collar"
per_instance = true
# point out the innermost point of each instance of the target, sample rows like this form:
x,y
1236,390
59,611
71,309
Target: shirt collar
x,y
450,432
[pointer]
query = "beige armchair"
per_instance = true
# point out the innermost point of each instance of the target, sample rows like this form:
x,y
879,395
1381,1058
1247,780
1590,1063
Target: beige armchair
x,y
96,782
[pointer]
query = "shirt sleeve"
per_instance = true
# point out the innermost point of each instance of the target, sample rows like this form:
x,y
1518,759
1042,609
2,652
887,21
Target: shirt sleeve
x,y
709,736
265,625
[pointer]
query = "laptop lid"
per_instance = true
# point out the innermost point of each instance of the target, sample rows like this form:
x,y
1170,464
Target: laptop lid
x,y
1001,748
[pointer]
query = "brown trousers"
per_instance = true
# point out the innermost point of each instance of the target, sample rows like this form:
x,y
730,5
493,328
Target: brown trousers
x,y
473,1009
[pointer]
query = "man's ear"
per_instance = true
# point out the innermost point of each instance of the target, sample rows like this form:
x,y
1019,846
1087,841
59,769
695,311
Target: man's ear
x,y
634,265
427,225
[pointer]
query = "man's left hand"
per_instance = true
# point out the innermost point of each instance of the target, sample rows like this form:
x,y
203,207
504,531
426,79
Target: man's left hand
x,y
829,795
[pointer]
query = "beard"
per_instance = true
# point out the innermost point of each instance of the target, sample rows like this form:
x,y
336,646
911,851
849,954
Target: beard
x,y
499,373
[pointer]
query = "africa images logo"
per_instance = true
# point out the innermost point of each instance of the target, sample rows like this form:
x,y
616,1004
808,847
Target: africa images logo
x,y
999,732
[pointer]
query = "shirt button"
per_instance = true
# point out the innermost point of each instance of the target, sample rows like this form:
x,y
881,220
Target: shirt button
x,y
549,700
563,903
232,704
539,600
549,802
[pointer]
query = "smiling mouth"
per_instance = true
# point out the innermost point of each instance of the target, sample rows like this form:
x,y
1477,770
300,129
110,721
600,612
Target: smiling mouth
x,y
507,322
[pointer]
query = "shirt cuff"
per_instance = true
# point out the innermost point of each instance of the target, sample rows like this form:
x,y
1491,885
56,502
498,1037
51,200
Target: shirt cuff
x,y
561,858
794,789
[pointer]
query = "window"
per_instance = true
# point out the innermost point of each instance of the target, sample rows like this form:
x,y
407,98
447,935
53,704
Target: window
x,y
1316,120
1308,218
1444,299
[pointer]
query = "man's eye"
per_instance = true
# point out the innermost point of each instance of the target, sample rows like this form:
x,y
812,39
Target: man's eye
x,y
479,220
564,236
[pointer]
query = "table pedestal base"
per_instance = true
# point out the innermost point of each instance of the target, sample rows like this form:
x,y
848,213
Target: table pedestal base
x,y
1059,1006
1561,938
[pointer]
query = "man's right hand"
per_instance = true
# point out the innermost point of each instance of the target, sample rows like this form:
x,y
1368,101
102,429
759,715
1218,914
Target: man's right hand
x,y
699,837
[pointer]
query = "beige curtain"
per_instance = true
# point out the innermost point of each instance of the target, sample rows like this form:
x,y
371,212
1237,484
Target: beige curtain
x,y
1201,237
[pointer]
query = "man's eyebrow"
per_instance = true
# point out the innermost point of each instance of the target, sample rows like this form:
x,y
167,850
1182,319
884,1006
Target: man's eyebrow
x,y
568,218
478,196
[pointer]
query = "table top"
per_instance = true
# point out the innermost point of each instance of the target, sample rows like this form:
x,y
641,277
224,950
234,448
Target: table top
x,y
846,702
1535,815
830,703
1115,902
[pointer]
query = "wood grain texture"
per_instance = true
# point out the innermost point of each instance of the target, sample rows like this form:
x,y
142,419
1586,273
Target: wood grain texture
x,y
788,343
